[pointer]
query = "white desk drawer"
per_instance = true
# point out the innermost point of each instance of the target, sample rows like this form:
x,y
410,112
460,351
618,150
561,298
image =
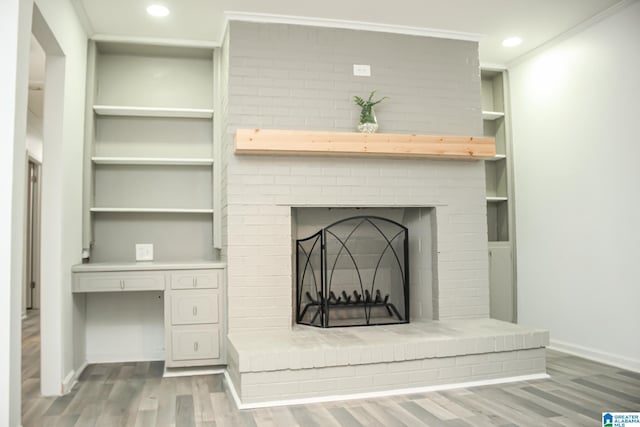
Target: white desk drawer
x,y
196,279
195,342
193,307
118,282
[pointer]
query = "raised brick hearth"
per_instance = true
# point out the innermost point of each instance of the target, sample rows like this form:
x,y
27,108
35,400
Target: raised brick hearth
x,y
310,363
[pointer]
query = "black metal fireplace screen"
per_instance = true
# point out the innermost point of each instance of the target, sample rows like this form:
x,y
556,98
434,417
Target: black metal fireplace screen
x,y
355,272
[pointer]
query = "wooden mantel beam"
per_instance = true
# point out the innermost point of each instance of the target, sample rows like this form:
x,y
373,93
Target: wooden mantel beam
x,y
352,144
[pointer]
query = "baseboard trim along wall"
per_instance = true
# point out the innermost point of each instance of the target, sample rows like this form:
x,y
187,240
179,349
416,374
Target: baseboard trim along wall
x,y
595,355
125,357
72,378
375,394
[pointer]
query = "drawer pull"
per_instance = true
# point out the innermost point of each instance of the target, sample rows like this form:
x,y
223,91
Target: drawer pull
x,y
121,284
195,346
195,310
195,282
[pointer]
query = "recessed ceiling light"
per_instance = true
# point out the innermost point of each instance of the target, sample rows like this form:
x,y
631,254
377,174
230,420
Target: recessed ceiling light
x,y
511,42
157,10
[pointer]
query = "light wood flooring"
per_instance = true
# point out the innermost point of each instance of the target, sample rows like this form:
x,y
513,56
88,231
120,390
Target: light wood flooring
x,y
135,394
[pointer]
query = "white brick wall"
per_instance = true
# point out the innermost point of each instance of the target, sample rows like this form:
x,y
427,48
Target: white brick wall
x,y
294,77
344,380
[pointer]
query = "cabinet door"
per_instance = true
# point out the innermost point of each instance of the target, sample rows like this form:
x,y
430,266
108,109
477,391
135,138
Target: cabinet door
x,y
194,343
501,286
193,307
196,279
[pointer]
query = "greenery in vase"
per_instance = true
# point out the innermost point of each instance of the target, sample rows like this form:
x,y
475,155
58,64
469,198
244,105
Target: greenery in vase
x,y
366,114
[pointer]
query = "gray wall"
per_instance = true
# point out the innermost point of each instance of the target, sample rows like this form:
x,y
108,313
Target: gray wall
x,y
298,77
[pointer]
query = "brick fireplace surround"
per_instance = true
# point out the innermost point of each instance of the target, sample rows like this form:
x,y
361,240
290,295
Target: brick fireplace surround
x,y
297,77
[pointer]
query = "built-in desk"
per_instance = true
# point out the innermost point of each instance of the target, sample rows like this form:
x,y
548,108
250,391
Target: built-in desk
x,y
194,320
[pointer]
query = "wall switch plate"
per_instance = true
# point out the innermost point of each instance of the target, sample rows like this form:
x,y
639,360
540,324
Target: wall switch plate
x,y
362,70
144,251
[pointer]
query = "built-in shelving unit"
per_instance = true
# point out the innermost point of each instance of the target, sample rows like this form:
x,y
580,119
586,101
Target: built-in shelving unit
x,y
499,188
149,175
149,152
497,171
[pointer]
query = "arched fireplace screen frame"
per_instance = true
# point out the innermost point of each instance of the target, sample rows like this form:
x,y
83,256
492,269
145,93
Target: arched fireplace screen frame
x,y
314,308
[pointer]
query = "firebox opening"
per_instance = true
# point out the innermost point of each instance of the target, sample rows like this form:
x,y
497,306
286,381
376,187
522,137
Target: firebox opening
x,y
363,266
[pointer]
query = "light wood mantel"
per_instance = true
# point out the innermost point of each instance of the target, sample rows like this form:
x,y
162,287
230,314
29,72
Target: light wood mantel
x,y
352,144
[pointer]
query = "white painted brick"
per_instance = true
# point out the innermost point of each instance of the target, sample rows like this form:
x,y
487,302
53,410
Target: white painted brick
x,y
486,368
354,384
456,373
517,365
476,359
537,353
406,366
395,379
437,363
273,96
502,356
371,370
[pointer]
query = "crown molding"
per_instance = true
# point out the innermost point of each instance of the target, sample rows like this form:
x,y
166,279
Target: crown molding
x,y
577,29
83,17
153,41
268,18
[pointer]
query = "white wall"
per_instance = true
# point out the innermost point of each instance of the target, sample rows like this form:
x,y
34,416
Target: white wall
x,y
575,116
15,17
62,313
34,136
64,194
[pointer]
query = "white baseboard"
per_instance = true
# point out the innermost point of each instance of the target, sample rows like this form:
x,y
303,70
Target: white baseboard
x,y
375,394
596,355
122,358
189,372
72,378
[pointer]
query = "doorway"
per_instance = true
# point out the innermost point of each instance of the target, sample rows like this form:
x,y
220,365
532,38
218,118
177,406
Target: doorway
x,y
32,244
31,301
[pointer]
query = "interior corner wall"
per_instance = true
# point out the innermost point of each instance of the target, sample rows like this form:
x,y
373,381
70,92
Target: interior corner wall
x,y
575,124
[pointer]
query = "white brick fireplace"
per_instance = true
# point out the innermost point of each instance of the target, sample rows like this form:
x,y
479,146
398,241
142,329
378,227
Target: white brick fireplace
x,y
271,359
287,76
263,190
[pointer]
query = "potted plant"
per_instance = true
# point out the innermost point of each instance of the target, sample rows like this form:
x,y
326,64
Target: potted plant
x,y
368,122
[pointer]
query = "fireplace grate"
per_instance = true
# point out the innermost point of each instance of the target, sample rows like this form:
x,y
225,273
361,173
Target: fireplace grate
x,y
355,272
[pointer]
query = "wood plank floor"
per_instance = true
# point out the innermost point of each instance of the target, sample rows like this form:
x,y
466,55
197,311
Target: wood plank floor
x,y
136,395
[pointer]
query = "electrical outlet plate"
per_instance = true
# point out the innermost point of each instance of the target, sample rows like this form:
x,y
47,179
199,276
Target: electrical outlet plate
x,y
144,251
362,70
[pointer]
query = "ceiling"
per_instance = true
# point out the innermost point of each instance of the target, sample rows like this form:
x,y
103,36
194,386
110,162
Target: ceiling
x,y
535,21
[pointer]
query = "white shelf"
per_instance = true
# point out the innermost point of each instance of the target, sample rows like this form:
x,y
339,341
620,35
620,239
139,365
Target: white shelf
x,y
150,161
497,157
152,210
496,199
492,115
136,111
